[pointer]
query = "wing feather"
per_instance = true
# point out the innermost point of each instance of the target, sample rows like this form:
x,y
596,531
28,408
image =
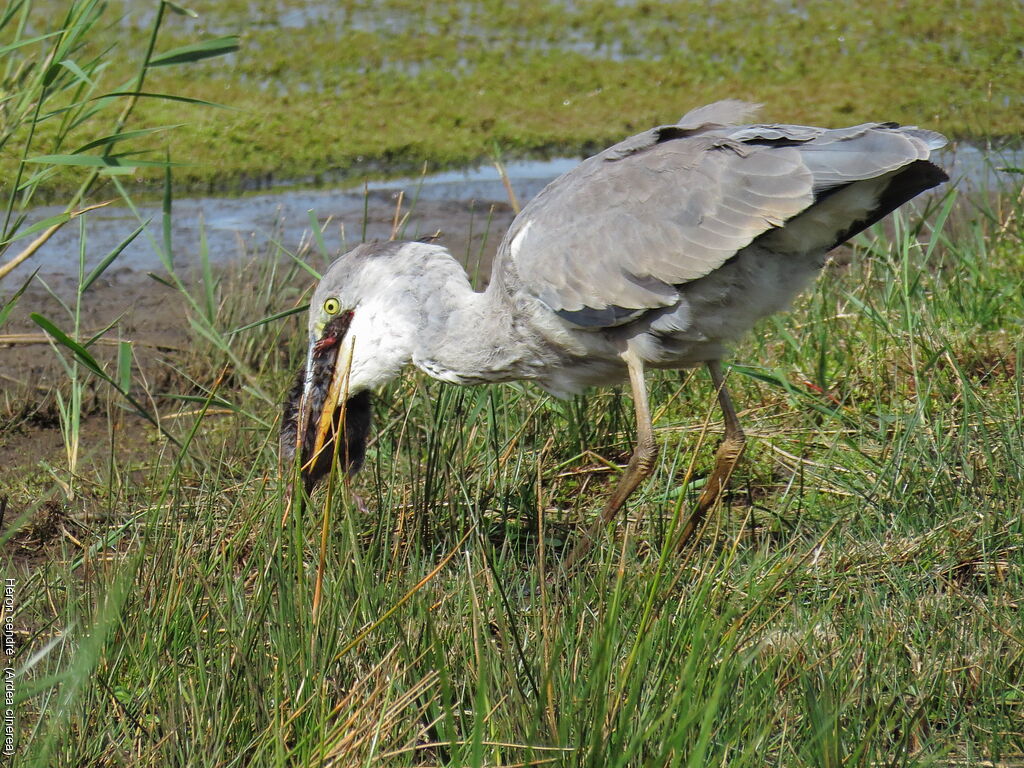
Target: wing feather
x,y
617,234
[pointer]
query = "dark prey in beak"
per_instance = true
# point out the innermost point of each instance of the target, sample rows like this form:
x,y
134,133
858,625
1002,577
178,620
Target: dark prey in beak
x,y
357,417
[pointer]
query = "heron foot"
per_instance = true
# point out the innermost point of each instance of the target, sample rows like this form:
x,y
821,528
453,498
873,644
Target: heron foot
x,y
726,458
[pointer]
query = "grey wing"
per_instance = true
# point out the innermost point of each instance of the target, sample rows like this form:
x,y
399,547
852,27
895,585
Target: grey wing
x,y
616,235
720,113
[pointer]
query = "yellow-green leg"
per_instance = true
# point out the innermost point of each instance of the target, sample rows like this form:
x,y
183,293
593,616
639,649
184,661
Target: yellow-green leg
x,y
726,457
641,463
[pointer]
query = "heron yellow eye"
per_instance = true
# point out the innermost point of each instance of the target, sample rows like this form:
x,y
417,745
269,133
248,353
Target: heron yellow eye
x,y
332,306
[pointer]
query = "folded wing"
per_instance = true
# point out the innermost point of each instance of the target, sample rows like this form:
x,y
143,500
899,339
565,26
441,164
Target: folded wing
x,y
618,234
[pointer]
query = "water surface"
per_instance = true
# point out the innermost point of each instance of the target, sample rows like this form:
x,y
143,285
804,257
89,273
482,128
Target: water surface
x,y
469,207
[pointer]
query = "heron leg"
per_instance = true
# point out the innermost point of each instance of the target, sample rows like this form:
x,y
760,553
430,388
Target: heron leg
x,y
726,457
640,466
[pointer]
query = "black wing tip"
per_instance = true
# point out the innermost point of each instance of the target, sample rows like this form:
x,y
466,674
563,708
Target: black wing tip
x,y
913,179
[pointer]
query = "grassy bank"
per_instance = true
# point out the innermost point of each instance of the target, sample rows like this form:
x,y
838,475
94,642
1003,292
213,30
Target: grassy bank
x,y
348,87
855,602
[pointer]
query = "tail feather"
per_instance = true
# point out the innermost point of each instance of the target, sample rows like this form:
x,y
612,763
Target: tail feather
x,y
904,185
841,212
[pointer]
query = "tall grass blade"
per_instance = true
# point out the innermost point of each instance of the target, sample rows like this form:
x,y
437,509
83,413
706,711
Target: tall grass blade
x,y
126,161
206,49
87,656
209,283
163,97
81,354
11,302
124,367
318,233
107,260
270,319
181,10
124,136
76,349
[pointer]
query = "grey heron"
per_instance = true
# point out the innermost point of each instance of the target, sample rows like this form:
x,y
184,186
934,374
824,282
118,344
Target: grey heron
x,y
655,253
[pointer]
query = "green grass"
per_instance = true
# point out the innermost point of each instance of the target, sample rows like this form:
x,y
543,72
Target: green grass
x,y
374,89
856,601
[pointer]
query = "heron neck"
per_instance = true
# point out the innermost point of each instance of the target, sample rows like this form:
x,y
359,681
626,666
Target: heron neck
x,y
468,337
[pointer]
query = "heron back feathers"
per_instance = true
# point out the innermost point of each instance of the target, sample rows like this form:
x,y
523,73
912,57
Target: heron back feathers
x,y
619,234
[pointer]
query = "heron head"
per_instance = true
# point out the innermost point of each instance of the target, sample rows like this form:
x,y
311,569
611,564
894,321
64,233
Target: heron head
x,y
359,337
323,420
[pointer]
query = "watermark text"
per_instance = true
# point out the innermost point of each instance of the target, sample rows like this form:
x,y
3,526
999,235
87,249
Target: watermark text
x,y
7,651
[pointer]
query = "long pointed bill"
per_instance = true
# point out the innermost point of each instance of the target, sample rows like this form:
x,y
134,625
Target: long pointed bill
x,y
322,419
337,393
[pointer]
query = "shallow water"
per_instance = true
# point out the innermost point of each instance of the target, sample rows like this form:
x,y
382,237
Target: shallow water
x,y
470,207
235,227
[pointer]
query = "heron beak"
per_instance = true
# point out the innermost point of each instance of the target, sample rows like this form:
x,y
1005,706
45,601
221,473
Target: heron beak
x,y
337,393
329,357
322,420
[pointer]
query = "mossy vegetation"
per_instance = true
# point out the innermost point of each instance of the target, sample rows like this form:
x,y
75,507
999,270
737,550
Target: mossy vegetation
x,y
343,88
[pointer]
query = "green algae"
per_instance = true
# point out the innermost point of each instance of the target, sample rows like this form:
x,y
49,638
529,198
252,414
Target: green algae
x,y
338,88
